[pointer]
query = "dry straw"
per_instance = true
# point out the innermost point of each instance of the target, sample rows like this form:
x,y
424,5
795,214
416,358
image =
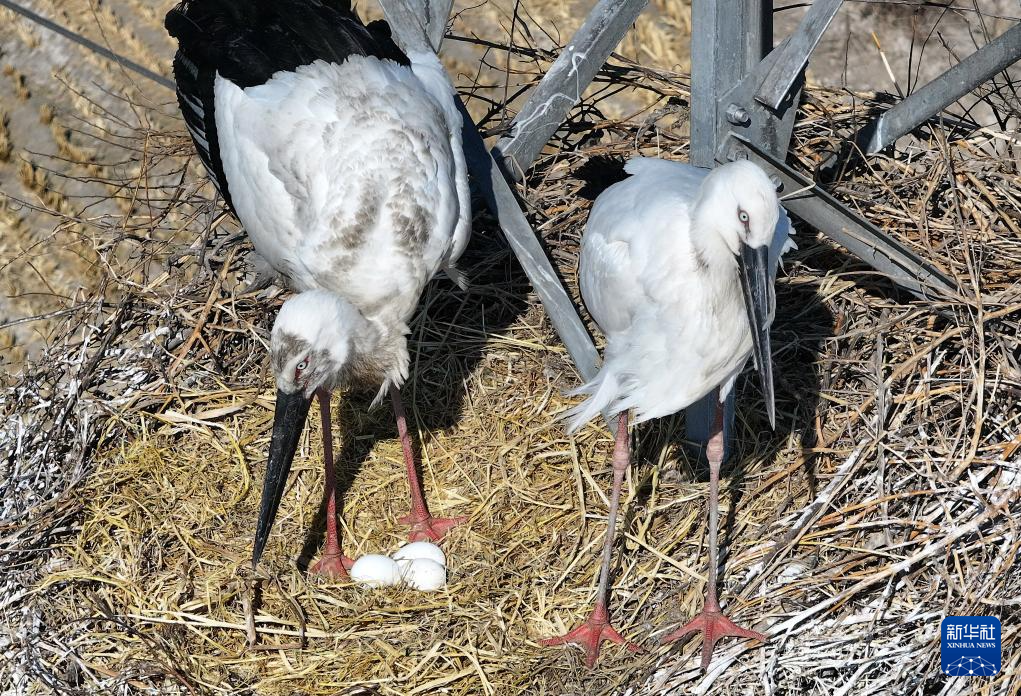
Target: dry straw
x,y
886,499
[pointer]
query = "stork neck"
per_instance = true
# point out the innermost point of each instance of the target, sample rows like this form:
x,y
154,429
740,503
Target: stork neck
x,y
367,337
714,254
378,349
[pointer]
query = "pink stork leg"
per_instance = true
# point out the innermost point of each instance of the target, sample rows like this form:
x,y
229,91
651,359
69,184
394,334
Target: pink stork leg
x,y
424,527
712,622
333,564
597,628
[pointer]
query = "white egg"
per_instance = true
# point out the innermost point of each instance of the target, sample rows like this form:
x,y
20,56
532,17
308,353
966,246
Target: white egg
x,y
423,573
374,570
421,549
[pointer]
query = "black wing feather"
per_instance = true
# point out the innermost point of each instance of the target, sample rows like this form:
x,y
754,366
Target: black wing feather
x,y
195,97
248,41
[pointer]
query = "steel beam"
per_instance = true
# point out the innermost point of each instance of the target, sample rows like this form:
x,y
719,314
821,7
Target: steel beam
x,y
758,33
437,14
764,130
541,115
920,106
719,41
406,24
754,105
729,39
525,244
794,52
562,86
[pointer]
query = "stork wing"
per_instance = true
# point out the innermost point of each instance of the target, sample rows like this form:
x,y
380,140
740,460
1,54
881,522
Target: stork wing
x,y
433,76
195,96
623,237
782,241
608,282
686,177
247,42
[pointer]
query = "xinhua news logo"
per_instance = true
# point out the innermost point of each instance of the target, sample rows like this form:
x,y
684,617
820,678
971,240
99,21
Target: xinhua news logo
x,y
970,646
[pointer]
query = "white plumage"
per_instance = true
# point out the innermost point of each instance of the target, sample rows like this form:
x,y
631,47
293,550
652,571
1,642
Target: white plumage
x,y
342,158
661,281
677,268
356,185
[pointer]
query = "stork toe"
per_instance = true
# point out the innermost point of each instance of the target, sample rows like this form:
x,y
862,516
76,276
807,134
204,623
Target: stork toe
x,y
333,566
590,636
429,528
713,625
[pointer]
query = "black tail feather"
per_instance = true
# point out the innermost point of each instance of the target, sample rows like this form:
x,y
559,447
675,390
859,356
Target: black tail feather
x,y
248,41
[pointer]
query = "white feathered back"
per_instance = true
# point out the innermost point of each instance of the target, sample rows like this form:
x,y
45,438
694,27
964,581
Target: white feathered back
x,y
675,327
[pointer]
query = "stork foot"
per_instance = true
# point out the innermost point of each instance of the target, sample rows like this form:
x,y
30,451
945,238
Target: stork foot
x,y
591,634
713,625
428,528
333,566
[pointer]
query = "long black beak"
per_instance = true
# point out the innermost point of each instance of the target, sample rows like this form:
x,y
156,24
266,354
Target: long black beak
x,y
758,302
288,421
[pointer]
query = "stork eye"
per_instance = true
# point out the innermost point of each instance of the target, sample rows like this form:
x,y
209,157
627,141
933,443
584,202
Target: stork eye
x,y
742,216
301,367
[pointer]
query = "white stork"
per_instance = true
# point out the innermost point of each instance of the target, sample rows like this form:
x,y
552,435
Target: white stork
x,y
677,269
341,157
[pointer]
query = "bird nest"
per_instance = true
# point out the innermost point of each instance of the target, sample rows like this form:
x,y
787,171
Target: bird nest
x,y
886,498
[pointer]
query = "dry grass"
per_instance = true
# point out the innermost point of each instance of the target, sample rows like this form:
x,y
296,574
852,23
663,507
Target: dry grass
x,y
19,81
5,136
52,91
886,499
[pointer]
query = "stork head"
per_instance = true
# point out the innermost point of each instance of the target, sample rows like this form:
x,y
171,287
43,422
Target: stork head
x,y
309,349
746,209
744,205
311,342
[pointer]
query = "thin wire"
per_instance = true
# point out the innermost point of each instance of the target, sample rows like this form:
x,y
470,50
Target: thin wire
x,y
89,44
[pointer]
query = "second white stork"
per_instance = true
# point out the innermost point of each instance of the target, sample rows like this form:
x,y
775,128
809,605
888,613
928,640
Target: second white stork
x,y
341,157
677,269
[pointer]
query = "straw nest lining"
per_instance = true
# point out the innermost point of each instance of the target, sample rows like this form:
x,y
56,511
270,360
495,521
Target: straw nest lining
x,y
885,500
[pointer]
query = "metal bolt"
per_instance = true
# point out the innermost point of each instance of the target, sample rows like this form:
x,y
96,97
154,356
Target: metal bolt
x,y
737,115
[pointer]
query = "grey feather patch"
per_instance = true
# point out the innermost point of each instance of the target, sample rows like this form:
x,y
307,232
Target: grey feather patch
x,y
701,264
287,347
456,275
351,233
412,223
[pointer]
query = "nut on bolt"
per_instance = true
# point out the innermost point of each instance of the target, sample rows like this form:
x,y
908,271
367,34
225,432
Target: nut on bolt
x,y
737,115
737,153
